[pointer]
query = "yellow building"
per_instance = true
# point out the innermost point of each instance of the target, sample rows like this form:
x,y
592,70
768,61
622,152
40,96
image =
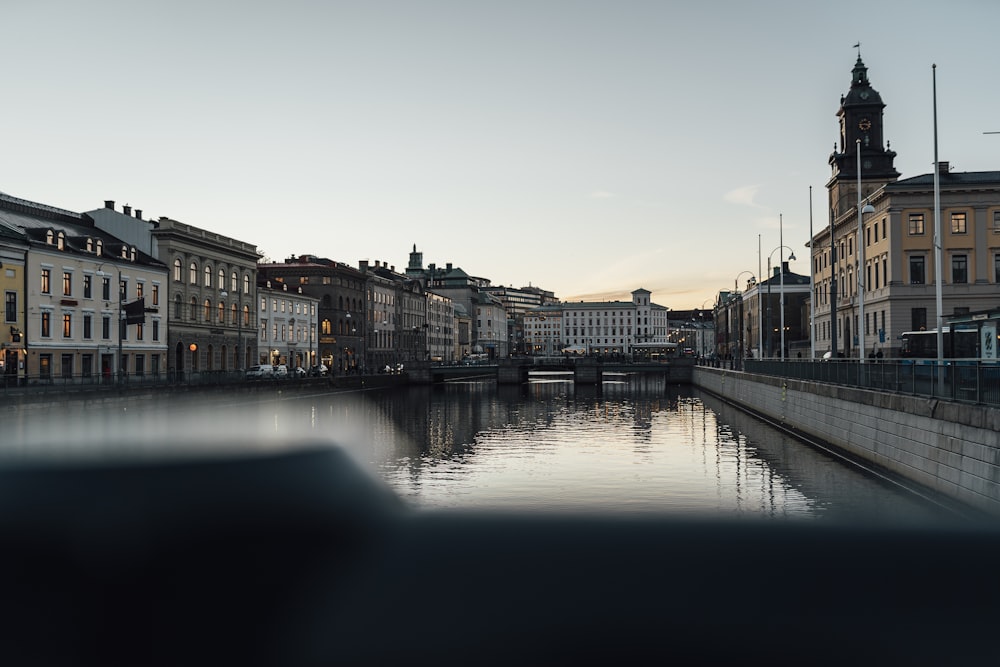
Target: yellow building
x,y
894,290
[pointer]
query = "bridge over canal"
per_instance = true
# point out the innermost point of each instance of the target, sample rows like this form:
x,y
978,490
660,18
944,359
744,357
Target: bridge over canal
x,y
517,371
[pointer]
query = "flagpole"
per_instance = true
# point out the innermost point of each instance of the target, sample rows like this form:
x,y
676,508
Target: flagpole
x,y
938,269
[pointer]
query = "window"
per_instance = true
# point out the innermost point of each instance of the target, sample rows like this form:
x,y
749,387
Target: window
x,y
66,363
156,295
88,286
46,278
106,327
87,326
222,312
917,275
208,310
45,365
177,270
10,306
208,276
326,328
194,309
156,330
140,289
67,283
193,273
996,222
100,247
246,316
222,279
106,289
46,324
122,290
61,241
959,269
139,331
918,319
958,223
246,284
233,282
67,330
996,268
916,224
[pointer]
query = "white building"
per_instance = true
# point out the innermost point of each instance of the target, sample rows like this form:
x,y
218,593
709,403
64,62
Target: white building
x,y
287,326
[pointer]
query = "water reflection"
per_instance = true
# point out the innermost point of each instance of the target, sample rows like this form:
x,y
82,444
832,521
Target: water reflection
x,y
633,446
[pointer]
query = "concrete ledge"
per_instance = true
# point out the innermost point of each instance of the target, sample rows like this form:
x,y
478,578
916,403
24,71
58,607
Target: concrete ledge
x,y
952,449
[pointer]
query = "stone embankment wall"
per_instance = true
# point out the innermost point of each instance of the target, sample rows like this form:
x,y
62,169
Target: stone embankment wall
x,y
950,448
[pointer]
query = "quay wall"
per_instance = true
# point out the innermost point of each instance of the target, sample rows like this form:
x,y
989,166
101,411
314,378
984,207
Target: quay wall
x,y
952,449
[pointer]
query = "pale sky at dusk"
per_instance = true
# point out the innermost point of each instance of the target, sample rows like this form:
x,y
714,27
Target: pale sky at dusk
x,y
588,148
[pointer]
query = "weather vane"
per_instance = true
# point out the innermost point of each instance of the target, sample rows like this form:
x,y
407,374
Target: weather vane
x,y
858,47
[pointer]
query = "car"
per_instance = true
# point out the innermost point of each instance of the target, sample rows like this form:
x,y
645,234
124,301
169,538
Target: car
x,y
281,371
260,372
299,372
319,371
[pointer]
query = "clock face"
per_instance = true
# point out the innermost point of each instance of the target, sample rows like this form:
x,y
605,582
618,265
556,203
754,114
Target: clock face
x,y
865,124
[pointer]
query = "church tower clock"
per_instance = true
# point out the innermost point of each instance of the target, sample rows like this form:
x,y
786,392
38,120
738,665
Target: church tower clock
x,y
861,129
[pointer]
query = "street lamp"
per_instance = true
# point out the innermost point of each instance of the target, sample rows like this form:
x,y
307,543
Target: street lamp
x,y
739,319
781,271
861,265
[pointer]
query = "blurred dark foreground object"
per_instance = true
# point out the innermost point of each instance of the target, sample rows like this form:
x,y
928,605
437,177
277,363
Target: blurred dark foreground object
x,y
304,559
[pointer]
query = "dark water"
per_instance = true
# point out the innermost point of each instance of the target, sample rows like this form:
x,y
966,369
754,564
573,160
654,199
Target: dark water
x,y
631,447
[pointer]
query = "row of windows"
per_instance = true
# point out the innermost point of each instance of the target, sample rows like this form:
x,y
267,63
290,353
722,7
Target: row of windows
x,y
280,332
88,287
206,310
959,223
88,332
95,246
282,304
88,368
234,278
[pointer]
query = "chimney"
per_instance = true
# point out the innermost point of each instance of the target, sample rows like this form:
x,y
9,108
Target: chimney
x,y
109,203
943,168
448,266
393,268
126,209
138,214
363,265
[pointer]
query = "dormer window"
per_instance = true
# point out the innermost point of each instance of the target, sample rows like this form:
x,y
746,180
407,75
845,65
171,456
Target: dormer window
x,y
49,237
61,241
90,244
100,247
124,252
132,254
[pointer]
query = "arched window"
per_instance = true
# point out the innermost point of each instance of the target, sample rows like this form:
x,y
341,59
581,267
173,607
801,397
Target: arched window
x,y
49,237
100,247
194,308
234,314
208,310
177,270
222,313
210,358
234,283
193,274
177,307
246,316
326,328
208,276
246,283
132,254
90,244
222,279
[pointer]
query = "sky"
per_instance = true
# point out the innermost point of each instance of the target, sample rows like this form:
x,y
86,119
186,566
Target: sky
x,y
588,148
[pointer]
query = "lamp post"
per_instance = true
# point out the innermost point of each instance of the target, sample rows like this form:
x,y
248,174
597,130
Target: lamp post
x,y
121,320
781,270
868,208
739,321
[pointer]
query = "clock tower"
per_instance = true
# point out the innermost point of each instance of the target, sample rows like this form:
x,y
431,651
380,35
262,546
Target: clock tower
x,y
861,129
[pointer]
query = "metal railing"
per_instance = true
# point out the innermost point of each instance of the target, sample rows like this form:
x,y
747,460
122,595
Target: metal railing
x,y
956,380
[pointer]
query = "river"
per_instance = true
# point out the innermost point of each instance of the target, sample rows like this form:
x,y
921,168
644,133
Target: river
x,y
636,446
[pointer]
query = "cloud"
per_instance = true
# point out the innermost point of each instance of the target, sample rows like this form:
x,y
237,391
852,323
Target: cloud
x,y
744,196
